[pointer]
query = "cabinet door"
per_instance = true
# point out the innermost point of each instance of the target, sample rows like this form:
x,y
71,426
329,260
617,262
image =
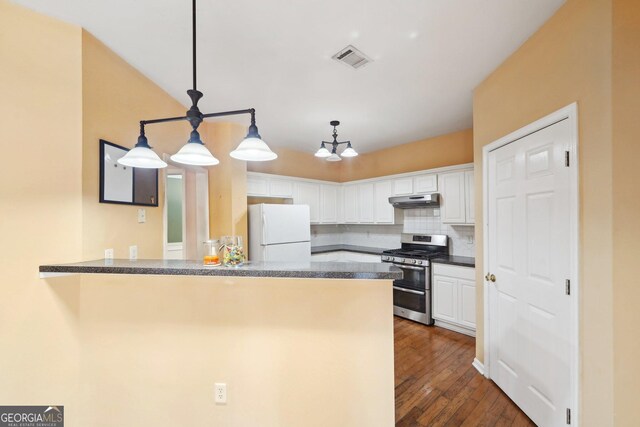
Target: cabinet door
x,y
452,206
309,194
469,182
340,204
425,184
403,186
257,186
383,210
350,198
444,298
365,203
280,187
328,204
467,303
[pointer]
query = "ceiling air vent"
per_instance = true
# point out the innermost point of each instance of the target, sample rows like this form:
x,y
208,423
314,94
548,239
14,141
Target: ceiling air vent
x,y
352,57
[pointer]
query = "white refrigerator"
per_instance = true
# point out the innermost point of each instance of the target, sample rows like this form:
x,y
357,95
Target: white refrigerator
x,y
280,233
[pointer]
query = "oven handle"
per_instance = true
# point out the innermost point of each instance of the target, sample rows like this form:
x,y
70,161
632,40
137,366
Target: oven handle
x,y
410,267
409,291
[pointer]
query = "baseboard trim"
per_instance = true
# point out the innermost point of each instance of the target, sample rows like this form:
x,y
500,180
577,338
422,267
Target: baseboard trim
x,y
478,365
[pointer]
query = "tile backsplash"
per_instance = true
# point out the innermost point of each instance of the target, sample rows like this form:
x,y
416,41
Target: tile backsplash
x,y
420,221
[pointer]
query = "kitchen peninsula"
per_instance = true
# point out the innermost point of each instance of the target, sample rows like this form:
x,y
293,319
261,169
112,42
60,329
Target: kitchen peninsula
x,y
305,337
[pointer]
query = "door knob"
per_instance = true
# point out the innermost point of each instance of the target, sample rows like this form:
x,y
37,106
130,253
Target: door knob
x,y
490,277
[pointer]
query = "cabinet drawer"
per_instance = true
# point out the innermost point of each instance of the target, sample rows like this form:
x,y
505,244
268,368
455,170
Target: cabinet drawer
x,y
456,271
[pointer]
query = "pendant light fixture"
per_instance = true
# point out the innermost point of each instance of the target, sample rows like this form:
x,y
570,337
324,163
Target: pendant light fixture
x,y
194,152
332,156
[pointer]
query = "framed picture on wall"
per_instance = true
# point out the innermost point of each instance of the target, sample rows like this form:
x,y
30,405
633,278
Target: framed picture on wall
x,y
125,185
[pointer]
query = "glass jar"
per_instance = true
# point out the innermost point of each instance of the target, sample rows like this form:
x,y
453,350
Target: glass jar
x,y
211,255
231,251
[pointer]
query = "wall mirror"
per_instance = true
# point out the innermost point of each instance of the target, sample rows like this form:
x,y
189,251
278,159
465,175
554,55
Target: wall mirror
x,y
123,184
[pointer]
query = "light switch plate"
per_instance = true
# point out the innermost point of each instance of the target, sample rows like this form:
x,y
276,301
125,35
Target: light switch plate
x,y
142,215
133,252
108,254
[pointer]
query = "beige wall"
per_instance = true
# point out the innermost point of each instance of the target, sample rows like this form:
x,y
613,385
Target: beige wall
x,y
135,350
292,352
626,209
115,97
302,164
227,182
567,60
40,206
445,150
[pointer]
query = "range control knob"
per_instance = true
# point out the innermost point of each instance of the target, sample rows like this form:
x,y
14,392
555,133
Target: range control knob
x,y
415,261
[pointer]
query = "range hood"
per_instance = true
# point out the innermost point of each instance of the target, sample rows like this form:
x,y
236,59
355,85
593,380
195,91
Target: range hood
x,y
417,201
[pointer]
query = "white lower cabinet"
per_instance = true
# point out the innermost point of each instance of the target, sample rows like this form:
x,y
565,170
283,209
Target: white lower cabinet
x,y
454,297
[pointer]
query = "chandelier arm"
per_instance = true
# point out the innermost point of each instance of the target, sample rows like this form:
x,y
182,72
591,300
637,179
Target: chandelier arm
x,y
251,111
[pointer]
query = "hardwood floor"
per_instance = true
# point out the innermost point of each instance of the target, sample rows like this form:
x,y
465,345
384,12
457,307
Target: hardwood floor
x,y
437,386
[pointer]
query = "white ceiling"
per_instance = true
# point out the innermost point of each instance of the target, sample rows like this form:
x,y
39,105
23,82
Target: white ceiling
x,y
275,56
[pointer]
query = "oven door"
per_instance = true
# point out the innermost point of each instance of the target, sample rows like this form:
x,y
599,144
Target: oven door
x,y
411,294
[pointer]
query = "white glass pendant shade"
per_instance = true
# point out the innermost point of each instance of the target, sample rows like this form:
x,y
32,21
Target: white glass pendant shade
x,y
322,152
195,154
142,156
349,152
333,158
253,149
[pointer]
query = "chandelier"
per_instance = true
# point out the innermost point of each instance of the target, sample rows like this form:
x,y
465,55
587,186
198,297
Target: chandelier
x,y
332,156
194,152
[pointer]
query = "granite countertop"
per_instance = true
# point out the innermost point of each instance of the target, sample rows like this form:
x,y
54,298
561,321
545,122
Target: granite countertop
x,y
463,261
311,270
348,248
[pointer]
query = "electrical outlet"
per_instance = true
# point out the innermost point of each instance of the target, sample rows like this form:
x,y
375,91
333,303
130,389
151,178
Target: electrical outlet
x,y
142,215
221,393
133,252
108,254
436,212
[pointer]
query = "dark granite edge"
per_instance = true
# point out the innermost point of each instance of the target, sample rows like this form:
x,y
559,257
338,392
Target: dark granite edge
x,y
348,248
462,261
220,272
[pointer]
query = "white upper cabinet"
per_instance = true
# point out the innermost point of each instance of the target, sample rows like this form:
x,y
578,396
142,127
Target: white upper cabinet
x,y
457,197
470,197
350,197
308,193
452,193
328,204
257,186
383,210
280,187
423,184
403,186
366,203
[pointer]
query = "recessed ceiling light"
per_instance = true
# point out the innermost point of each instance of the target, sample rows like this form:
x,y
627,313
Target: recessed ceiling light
x,y
413,35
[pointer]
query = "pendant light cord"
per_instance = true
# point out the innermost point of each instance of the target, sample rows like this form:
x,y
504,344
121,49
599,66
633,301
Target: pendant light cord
x,y
195,87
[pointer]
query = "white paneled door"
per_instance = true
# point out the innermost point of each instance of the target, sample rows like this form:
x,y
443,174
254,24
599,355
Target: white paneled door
x,y
529,235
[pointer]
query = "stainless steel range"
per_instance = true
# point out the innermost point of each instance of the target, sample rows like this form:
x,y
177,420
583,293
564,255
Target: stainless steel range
x,y
412,293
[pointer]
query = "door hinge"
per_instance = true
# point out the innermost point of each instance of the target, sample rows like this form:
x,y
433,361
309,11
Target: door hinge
x,y
566,159
568,416
567,286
